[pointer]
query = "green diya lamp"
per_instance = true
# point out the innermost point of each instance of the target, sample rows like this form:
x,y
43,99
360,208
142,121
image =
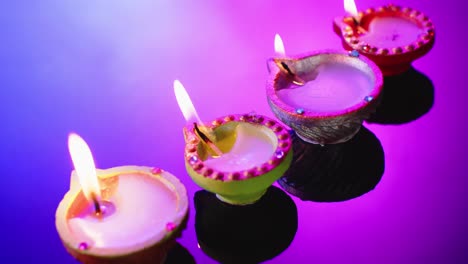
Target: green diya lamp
x,y
237,157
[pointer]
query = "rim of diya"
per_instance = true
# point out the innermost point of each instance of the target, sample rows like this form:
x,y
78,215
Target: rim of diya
x,y
195,161
324,127
393,60
239,187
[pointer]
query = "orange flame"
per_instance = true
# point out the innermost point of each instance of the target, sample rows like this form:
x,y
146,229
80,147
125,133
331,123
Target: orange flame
x,y
279,46
83,162
185,104
350,7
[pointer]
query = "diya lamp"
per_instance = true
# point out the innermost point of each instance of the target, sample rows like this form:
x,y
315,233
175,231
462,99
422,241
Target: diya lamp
x,y
237,157
392,36
127,214
324,96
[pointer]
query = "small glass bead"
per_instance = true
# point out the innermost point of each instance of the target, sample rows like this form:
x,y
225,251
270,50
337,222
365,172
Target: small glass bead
x,y
156,170
170,226
83,246
354,53
193,160
279,154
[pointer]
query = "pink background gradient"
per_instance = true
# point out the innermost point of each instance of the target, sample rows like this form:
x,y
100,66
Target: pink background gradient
x,y
105,69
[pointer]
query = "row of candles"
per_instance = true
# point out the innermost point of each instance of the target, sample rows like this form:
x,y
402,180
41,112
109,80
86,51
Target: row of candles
x,y
133,214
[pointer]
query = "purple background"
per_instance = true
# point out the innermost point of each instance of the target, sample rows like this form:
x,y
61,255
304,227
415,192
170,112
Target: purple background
x,y
104,69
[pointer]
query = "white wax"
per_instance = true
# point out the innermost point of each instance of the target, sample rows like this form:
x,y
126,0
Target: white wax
x,y
254,145
390,32
143,206
337,86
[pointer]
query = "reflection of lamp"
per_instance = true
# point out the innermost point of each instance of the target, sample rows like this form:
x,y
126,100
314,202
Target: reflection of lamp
x,y
245,234
335,172
406,97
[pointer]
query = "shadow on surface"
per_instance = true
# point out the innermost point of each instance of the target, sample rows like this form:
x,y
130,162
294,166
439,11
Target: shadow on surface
x,y
245,234
336,172
406,97
179,255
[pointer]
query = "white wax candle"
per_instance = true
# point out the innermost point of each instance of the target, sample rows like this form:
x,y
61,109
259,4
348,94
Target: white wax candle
x,y
254,145
390,32
143,207
336,87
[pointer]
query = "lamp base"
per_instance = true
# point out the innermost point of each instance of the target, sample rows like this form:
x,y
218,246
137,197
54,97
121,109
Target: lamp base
x,y
241,200
155,254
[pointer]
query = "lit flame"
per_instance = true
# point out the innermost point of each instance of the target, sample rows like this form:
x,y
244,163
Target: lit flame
x,y
185,104
350,7
84,166
279,46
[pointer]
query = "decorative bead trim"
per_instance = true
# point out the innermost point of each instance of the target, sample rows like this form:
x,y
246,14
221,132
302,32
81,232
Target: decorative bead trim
x,y
283,147
350,32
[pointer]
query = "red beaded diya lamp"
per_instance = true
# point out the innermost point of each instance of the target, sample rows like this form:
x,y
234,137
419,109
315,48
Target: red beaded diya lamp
x,y
392,36
324,95
237,157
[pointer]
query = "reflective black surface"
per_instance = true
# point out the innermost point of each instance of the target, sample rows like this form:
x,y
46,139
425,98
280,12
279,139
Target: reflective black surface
x,y
245,234
335,172
406,97
179,255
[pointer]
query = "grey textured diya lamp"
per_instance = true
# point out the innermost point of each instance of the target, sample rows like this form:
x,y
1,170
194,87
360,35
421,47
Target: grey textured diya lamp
x,y
237,157
324,96
391,36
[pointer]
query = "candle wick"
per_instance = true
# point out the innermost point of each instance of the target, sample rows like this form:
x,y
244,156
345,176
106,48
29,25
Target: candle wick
x,y
207,140
97,206
286,67
295,79
357,24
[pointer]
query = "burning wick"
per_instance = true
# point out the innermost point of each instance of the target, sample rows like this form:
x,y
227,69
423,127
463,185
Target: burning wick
x,y
207,140
97,206
360,29
86,171
190,115
356,22
350,7
285,69
280,51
